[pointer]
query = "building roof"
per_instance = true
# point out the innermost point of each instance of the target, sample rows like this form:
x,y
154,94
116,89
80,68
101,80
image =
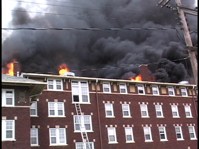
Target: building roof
x,y
36,87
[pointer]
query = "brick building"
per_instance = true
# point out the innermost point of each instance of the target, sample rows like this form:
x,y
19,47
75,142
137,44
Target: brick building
x,y
111,114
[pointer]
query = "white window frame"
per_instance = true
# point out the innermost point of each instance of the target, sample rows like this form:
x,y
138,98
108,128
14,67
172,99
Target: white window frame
x,y
33,107
80,90
192,133
188,112
147,133
140,87
84,145
126,112
178,131
111,131
34,135
106,87
123,88
5,128
184,92
144,110
56,108
82,123
109,109
54,84
162,133
59,132
175,112
171,91
159,111
4,98
155,90
129,134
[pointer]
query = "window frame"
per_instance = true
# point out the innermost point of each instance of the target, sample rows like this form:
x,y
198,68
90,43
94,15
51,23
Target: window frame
x,y
174,108
155,88
36,136
159,110
111,132
144,108
80,121
129,131
54,84
179,133
148,133
34,107
83,144
107,109
184,92
56,109
140,87
4,104
171,89
106,85
163,132
5,129
187,109
193,132
128,111
79,90
122,86
57,136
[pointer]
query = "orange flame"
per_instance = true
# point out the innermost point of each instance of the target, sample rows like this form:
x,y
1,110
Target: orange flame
x,y
63,68
137,78
9,70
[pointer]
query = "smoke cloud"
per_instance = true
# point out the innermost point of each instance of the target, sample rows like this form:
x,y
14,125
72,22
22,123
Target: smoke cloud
x,y
102,53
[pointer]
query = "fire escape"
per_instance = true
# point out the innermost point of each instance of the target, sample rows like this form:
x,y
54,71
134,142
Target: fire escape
x,y
83,131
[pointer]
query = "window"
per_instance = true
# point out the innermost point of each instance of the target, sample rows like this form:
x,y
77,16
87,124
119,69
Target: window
x,y
33,109
187,111
171,91
147,134
144,110
56,109
126,110
34,137
123,89
192,133
80,92
163,135
109,110
140,88
174,109
55,84
82,123
178,131
106,88
155,90
57,136
8,130
112,138
184,92
7,97
159,112
129,134
84,145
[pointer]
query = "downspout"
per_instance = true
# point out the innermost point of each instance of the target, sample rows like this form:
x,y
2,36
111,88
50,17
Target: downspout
x,y
194,100
98,114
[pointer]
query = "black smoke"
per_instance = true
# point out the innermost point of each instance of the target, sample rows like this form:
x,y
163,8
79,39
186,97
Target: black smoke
x,y
101,53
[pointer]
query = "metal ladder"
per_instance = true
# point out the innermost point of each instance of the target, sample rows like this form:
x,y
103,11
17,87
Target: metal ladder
x,y
84,134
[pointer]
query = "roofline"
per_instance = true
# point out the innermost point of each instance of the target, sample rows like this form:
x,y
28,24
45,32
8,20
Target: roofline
x,y
103,79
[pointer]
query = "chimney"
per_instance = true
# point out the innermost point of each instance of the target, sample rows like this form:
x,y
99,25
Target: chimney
x,y
146,73
17,68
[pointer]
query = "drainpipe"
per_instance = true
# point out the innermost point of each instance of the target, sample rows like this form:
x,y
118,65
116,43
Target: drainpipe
x,y
98,114
194,100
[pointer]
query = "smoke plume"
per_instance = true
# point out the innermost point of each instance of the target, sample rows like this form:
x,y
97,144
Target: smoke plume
x,y
102,53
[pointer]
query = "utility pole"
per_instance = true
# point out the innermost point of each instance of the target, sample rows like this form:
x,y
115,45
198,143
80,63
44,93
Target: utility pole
x,y
191,50
188,41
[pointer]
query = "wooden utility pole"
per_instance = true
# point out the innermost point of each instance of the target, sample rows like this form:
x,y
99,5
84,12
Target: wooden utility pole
x,y
188,41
